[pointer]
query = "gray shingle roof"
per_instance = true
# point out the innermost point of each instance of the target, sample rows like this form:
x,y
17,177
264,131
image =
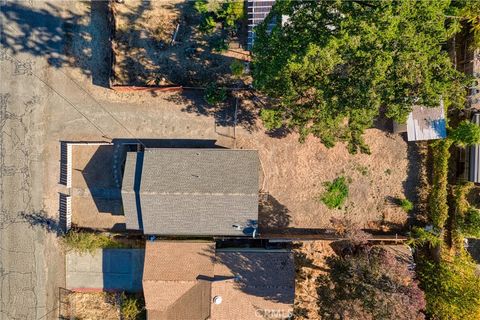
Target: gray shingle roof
x,y
191,191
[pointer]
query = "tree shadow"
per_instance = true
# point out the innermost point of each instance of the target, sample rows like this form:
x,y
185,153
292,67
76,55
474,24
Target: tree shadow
x,y
232,112
61,36
272,216
270,275
40,219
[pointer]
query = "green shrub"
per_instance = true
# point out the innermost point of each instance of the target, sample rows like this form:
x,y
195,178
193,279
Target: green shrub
x,y
470,225
438,212
271,119
201,6
451,287
84,242
208,24
237,68
214,95
231,12
336,193
219,44
465,134
406,205
420,237
131,308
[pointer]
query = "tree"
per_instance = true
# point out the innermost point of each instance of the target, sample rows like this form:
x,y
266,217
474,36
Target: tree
x,y
466,14
370,283
332,66
465,134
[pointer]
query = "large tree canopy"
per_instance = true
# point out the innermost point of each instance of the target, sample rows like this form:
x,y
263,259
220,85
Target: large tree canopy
x,y
331,66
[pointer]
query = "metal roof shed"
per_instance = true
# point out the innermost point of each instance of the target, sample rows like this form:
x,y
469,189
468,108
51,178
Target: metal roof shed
x,y
474,170
426,123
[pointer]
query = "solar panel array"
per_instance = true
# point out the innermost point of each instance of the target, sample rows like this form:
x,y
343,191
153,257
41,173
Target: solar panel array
x,y
257,11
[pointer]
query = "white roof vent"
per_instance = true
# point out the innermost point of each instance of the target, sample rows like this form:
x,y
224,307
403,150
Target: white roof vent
x,y
217,299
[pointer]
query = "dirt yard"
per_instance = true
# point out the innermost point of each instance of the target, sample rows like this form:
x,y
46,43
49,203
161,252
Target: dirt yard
x,y
295,174
81,306
145,54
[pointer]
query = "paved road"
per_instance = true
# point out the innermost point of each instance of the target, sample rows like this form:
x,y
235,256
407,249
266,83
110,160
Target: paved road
x,y
54,63
30,263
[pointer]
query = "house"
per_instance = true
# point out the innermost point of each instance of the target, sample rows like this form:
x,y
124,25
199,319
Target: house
x,y
424,123
191,192
192,280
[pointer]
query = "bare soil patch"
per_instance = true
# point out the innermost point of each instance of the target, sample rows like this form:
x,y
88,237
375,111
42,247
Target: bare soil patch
x,y
145,55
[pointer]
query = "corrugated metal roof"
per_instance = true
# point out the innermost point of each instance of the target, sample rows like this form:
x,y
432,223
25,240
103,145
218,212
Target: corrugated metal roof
x,y
425,123
191,191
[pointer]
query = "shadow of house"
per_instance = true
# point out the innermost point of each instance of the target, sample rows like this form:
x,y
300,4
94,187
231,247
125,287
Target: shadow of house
x,y
105,270
61,36
122,269
99,177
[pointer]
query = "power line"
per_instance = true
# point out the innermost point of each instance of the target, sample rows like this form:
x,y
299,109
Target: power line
x,y
76,108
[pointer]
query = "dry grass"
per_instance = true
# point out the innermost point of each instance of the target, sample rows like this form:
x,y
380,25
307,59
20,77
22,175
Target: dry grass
x,y
94,306
295,174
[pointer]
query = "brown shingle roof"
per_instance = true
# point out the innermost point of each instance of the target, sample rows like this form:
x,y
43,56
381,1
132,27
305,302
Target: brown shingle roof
x,y
264,288
181,279
171,283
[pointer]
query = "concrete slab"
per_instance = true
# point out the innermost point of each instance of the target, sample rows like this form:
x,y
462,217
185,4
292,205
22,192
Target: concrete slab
x,y
106,270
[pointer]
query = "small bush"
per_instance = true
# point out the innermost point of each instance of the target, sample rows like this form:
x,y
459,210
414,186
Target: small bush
x,y
465,134
131,308
88,242
231,12
271,119
214,95
420,237
201,6
237,68
406,205
208,24
336,193
470,226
